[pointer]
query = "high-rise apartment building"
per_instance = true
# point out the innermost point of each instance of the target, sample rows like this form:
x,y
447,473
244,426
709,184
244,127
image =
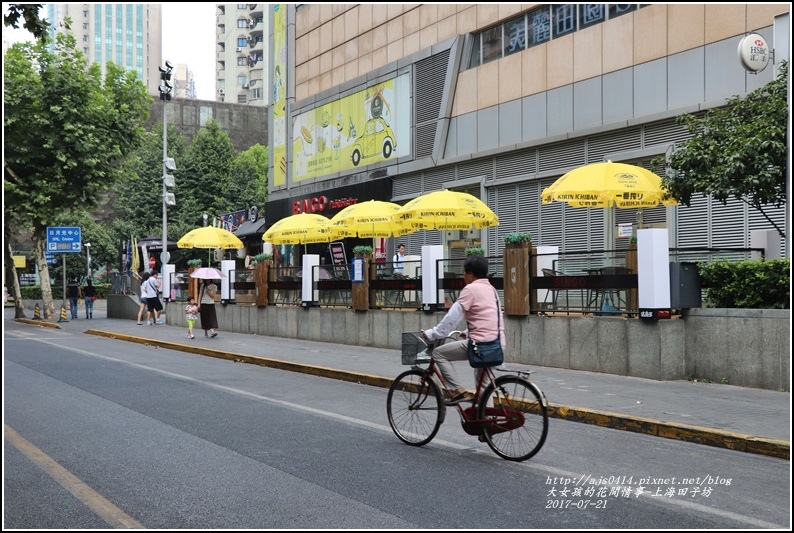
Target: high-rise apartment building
x,y
242,49
184,83
130,35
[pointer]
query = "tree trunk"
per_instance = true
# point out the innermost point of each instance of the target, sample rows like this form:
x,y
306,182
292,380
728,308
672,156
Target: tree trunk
x,y
44,277
11,274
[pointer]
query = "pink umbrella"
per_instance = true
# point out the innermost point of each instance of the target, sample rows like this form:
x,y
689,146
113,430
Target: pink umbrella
x,y
207,273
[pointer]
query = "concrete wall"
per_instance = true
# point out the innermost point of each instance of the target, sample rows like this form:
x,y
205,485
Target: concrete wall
x,y
748,347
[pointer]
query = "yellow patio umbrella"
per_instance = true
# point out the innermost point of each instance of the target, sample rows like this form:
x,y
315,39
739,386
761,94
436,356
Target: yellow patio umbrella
x,y
369,220
446,210
608,185
209,237
303,228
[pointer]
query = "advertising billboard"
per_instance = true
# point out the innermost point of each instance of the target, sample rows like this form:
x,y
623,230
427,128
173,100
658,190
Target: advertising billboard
x,y
365,127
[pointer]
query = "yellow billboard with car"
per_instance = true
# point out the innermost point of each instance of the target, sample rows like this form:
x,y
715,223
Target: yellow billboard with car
x,y
366,127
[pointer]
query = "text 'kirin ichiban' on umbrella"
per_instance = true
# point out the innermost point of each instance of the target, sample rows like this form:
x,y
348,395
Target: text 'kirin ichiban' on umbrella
x,y
303,228
608,185
446,210
369,220
209,237
207,273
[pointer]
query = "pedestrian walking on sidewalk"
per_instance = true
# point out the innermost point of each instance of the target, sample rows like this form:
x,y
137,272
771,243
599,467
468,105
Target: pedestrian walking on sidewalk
x,y
191,315
142,297
153,300
209,320
89,295
74,294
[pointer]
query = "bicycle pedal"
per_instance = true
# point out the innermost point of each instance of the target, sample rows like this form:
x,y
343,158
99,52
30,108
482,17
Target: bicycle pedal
x,y
482,438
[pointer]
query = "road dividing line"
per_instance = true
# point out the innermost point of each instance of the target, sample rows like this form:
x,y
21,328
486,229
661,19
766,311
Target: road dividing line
x,y
112,515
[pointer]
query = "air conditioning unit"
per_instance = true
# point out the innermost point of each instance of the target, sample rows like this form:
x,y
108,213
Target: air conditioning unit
x,y
220,91
239,50
245,85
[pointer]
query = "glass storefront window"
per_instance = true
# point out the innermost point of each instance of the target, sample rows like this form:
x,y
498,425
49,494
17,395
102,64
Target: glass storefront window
x,y
539,26
492,44
591,14
564,19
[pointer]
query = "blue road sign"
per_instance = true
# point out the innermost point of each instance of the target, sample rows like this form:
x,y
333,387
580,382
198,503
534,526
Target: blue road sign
x,y
64,239
51,259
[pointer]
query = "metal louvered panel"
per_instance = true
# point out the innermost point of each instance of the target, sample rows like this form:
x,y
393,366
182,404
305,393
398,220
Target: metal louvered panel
x,y
405,185
528,206
436,177
550,229
430,76
476,169
757,221
620,141
692,229
663,132
425,139
577,228
518,163
728,223
505,205
562,155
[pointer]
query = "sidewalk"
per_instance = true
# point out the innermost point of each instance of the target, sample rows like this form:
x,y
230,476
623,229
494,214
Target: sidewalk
x,y
726,416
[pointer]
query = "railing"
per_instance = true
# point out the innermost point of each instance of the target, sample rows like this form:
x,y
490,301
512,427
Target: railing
x,y
595,282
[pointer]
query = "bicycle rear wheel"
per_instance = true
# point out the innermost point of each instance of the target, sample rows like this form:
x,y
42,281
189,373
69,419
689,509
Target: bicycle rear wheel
x,y
415,407
516,419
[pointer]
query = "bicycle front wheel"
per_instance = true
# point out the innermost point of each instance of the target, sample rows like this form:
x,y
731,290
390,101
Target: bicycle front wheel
x,y
415,407
515,418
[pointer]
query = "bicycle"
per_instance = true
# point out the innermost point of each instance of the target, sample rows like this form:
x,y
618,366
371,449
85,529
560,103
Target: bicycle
x,y
508,412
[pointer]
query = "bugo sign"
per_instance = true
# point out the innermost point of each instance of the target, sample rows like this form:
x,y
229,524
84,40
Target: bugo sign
x,y
319,204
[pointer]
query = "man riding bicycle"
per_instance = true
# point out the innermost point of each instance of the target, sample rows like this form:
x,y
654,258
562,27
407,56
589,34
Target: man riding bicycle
x,y
479,305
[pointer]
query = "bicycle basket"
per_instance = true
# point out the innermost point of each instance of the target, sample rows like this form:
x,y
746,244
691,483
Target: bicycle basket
x,y
413,346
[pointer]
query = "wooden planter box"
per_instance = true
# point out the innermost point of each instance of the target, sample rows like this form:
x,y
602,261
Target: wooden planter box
x,y
517,271
261,272
360,291
192,283
631,264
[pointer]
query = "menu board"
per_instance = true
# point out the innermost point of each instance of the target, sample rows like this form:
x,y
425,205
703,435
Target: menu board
x,y
339,259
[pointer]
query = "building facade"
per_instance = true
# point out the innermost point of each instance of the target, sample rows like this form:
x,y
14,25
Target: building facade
x,y
130,35
242,49
499,100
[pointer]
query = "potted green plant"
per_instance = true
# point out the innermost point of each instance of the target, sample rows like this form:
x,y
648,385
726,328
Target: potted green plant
x,y
633,239
362,250
261,258
518,238
194,263
474,250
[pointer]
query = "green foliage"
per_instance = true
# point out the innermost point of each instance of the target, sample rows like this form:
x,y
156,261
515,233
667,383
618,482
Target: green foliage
x,y
518,237
633,238
474,250
747,284
208,163
246,185
68,134
30,14
737,151
194,263
261,258
362,250
33,292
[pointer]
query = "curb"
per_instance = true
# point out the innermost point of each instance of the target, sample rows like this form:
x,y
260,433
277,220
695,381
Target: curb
x,y
779,449
42,323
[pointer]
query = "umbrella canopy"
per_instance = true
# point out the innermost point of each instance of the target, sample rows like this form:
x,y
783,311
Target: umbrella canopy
x,y
207,273
445,210
608,185
368,220
303,228
209,237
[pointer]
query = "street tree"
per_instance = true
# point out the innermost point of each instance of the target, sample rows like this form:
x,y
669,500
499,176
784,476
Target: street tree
x,y
67,135
246,185
30,14
208,166
736,151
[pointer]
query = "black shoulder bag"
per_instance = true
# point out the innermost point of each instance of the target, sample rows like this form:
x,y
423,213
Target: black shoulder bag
x,y
490,353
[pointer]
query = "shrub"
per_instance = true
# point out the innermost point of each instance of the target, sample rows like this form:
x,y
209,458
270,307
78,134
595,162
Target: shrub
x,y
518,237
194,263
754,284
474,250
362,250
261,258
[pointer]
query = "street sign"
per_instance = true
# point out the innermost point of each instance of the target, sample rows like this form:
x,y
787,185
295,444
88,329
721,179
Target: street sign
x,y
50,258
64,239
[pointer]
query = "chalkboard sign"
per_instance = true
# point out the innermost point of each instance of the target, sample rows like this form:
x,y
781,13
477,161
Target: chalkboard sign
x,y
339,259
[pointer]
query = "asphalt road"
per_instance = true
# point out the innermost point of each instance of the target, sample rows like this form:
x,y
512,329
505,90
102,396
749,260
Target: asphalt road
x,y
102,433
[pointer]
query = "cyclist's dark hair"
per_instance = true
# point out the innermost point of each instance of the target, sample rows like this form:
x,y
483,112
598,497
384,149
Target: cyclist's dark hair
x,y
477,265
